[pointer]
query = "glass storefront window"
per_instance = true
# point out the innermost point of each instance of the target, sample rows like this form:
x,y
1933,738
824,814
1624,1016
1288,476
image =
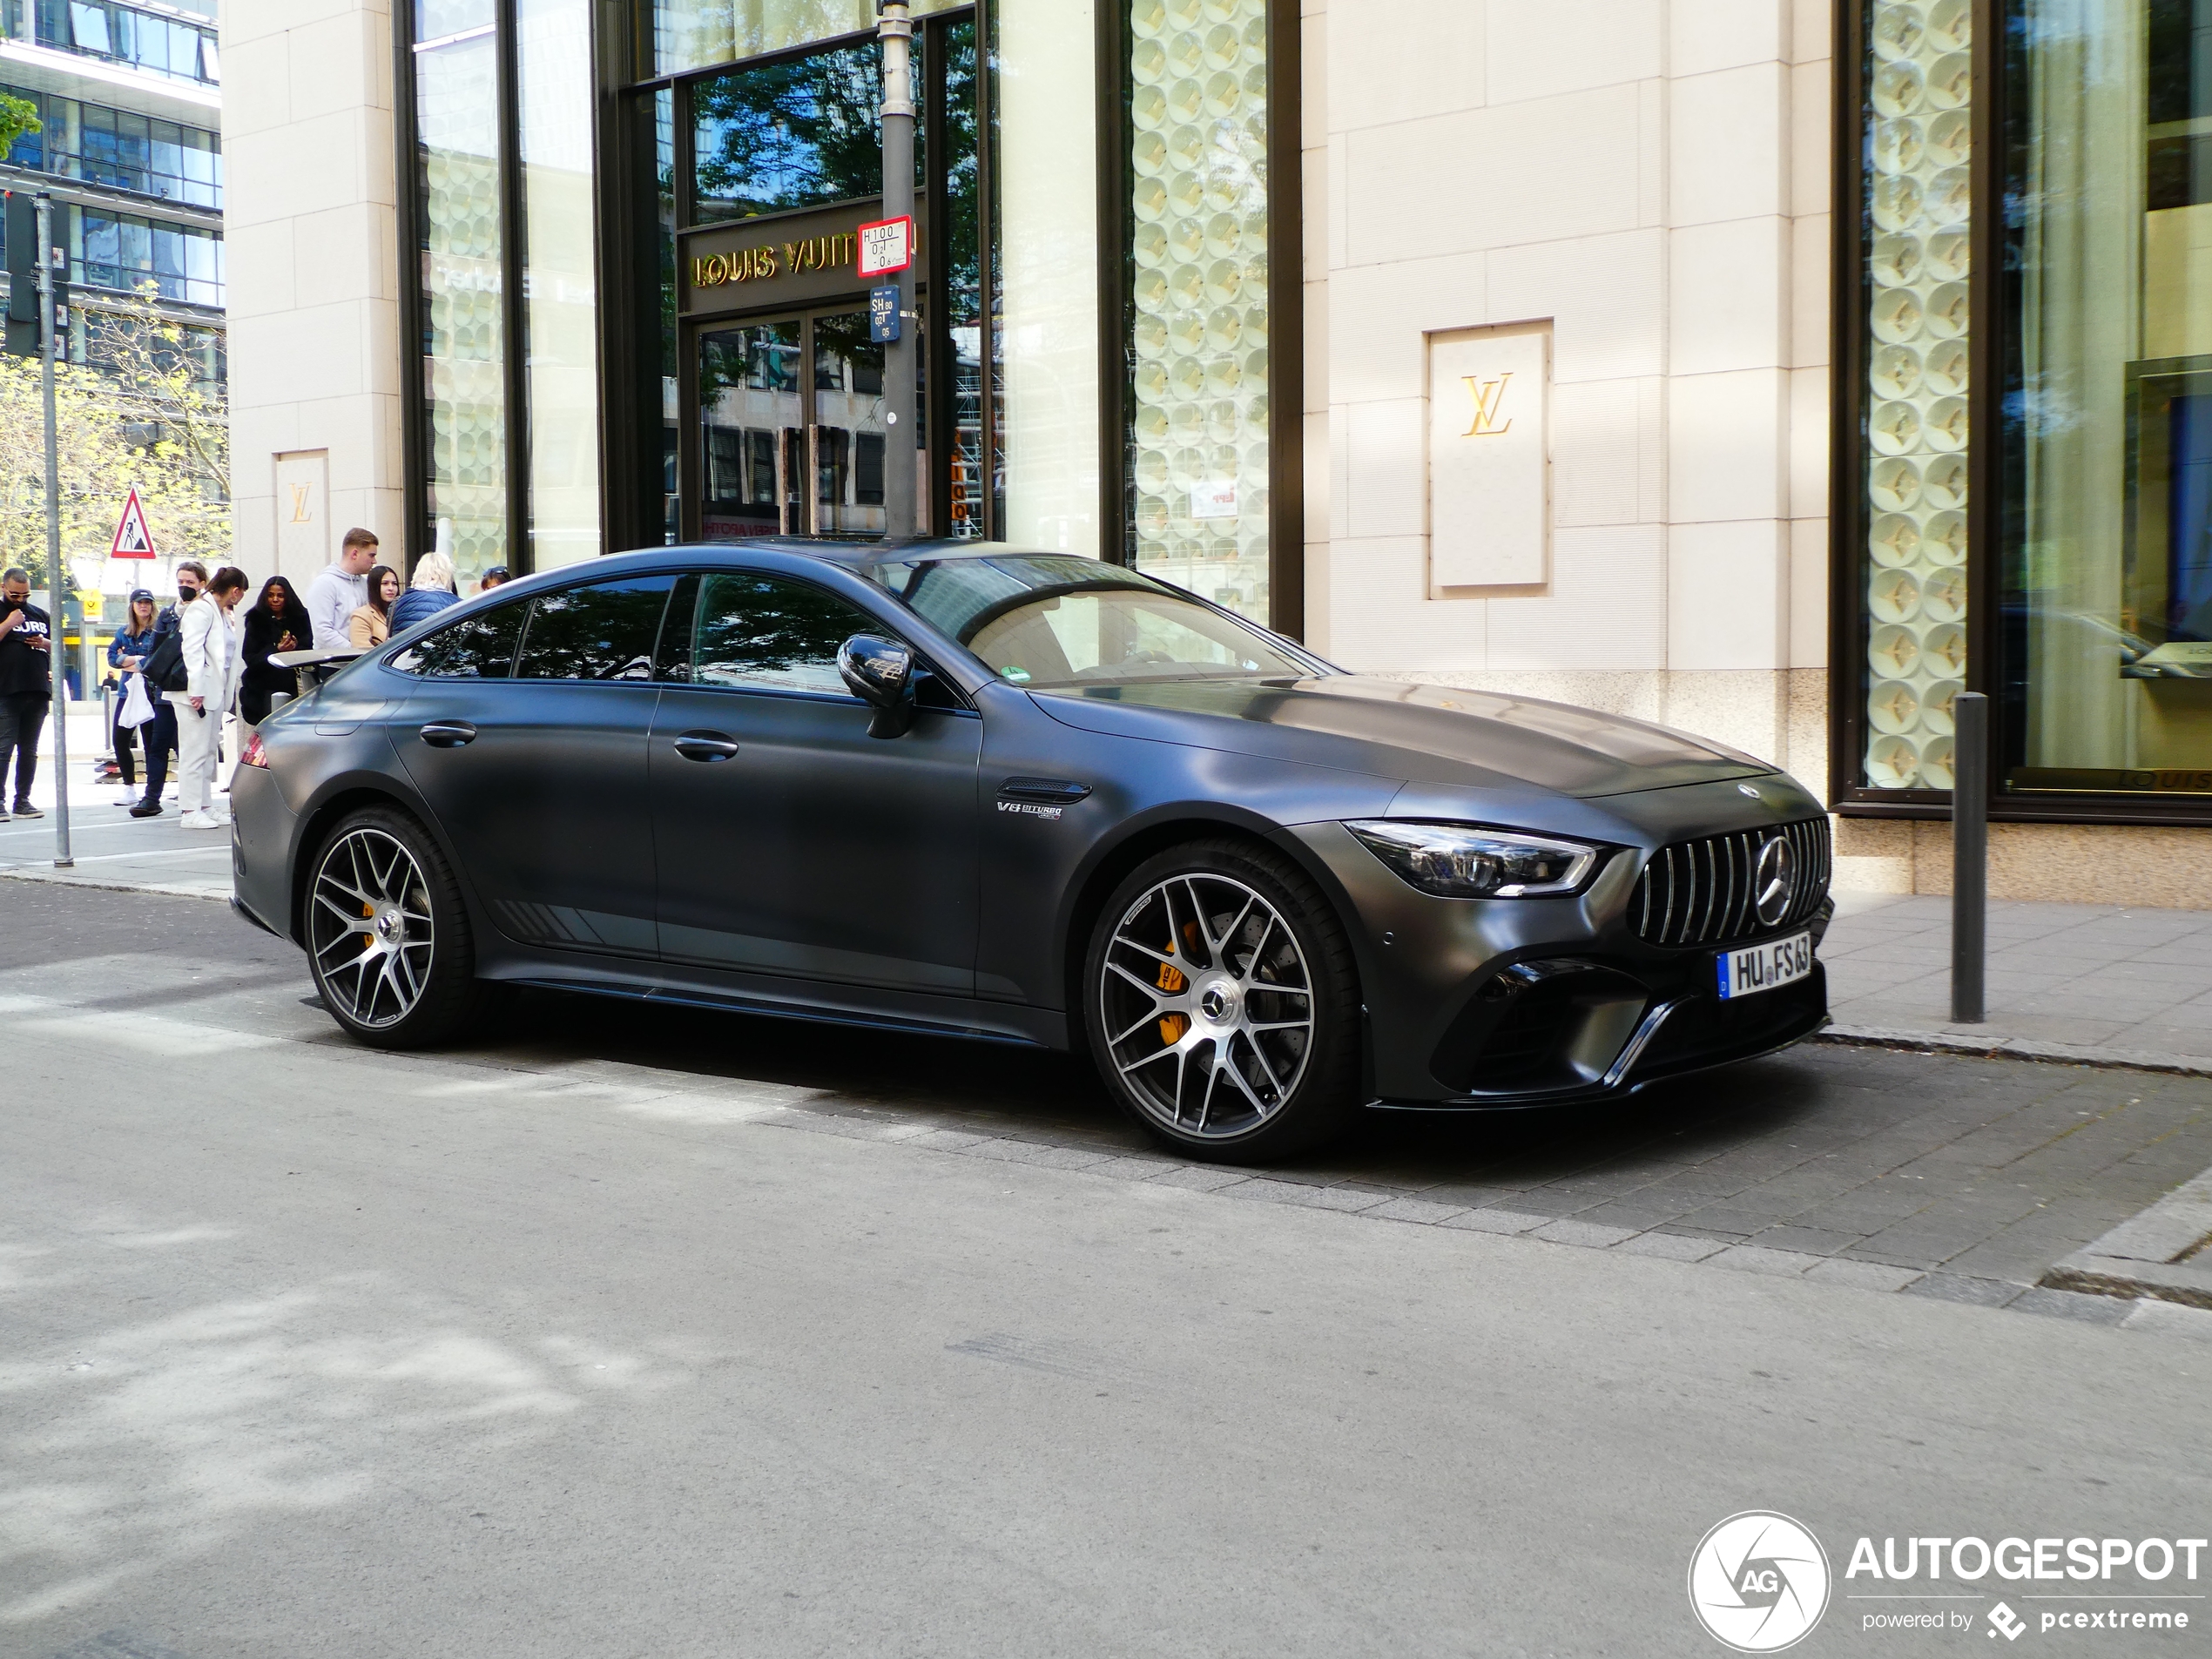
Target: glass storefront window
x,y
2107,581
1198,444
560,284
1918,150
464,437
799,133
695,34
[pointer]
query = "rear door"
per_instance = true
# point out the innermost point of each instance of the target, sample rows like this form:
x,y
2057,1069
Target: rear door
x,y
539,776
790,841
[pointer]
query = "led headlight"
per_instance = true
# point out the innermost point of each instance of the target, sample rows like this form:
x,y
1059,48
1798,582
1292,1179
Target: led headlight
x,y
1460,861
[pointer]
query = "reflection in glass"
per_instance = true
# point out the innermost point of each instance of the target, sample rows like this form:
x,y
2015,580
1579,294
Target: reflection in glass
x,y
752,427
2108,583
799,133
694,33
464,413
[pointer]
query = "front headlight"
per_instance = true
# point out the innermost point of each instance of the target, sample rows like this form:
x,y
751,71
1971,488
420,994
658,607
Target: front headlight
x,y
1460,861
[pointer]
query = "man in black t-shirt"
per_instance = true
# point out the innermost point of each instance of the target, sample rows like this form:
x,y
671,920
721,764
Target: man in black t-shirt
x,y
26,645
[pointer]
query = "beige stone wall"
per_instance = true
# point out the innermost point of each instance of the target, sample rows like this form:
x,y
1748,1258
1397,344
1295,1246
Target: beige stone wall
x,y
313,276
2075,863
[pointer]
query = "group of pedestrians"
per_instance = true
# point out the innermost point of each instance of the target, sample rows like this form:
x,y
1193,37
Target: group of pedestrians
x,y
186,667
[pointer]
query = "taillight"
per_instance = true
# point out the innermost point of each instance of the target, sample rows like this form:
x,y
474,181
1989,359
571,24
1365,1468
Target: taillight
x,y
253,754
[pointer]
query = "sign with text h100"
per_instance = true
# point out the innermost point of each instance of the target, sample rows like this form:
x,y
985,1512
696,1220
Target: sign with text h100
x,y
1489,483
886,245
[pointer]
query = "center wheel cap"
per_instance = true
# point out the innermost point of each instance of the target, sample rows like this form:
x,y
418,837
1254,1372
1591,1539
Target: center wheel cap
x,y
1217,1002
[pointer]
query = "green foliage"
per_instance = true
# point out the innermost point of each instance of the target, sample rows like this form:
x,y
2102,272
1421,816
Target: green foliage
x,y
17,117
139,417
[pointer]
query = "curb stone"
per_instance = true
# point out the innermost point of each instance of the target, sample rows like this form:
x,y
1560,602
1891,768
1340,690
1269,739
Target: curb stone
x,y
1997,1048
2160,1254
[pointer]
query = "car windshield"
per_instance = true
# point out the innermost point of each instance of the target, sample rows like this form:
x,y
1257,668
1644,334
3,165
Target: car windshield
x,y
1047,620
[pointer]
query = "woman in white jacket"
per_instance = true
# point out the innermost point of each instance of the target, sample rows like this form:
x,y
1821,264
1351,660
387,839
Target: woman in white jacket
x,y
209,633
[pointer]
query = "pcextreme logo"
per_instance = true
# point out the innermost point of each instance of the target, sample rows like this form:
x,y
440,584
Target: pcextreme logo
x,y
1759,1582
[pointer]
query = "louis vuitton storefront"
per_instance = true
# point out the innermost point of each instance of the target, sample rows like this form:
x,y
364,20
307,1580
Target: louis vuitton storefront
x,y
687,353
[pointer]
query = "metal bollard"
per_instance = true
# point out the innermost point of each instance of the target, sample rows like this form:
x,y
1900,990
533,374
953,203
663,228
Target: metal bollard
x,y
1969,857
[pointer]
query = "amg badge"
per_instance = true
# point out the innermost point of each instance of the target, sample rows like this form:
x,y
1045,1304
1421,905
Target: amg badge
x,y
1030,809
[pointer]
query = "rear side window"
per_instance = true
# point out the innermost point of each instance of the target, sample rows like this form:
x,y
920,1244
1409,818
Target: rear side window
x,y
760,633
479,646
603,630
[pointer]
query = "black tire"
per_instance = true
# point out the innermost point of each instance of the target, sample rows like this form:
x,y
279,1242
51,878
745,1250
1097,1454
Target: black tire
x,y
1250,1082
399,988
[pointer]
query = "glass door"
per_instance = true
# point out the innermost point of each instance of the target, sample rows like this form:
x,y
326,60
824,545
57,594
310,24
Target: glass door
x,y
791,427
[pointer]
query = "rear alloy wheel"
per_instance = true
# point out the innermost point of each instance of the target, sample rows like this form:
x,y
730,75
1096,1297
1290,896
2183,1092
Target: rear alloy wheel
x,y
1222,1004
387,937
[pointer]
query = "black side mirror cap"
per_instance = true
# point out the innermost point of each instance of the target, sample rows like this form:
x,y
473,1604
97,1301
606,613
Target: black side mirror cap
x,y
880,672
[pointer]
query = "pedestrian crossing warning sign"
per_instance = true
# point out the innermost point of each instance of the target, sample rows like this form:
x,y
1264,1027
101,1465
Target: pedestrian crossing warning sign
x,y
132,539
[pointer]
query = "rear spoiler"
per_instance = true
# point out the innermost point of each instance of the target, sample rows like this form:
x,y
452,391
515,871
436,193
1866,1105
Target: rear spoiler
x,y
312,667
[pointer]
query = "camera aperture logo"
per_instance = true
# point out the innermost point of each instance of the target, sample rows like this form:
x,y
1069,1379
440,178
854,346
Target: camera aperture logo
x,y
1759,1582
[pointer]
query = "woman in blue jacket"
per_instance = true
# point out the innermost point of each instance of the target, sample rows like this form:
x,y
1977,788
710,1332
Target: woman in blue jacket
x,y
127,653
431,591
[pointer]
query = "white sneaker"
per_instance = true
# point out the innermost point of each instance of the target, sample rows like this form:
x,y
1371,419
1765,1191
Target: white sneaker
x,y
202,821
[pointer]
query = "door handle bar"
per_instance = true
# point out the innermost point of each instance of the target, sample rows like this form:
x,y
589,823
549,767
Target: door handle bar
x,y
448,734
705,745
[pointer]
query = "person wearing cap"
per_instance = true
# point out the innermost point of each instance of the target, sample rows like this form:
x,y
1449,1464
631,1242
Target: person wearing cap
x,y
127,651
492,578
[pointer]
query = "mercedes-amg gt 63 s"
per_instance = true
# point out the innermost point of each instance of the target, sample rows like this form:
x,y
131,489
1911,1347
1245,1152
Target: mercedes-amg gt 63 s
x,y
1030,797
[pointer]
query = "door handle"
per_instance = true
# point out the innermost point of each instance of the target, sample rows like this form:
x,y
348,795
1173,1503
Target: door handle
x,y
448,734
705,745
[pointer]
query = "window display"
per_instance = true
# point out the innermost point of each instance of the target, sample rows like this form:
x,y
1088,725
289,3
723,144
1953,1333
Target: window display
x,y
2107,580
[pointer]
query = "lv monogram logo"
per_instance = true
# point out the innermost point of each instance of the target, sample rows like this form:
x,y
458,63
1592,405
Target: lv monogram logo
x,y
300,513
1489,400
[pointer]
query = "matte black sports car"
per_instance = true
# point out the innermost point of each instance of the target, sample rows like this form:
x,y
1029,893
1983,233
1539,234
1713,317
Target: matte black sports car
x,y
1032,798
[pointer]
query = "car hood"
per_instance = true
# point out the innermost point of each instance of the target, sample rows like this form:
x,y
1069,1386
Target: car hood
x,y
1434,734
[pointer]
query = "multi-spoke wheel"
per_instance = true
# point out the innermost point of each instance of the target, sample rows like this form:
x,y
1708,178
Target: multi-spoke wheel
x,y
387,939
1221,1003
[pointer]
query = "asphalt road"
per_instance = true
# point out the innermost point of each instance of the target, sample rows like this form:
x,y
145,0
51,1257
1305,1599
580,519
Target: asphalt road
x,y
539,1348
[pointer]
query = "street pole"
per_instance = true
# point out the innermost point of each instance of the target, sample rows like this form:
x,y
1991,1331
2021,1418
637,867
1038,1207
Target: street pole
x,y
901,468
1969,855
57,656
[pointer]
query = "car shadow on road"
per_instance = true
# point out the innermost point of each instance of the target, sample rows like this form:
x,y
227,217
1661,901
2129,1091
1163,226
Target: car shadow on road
x,y
1027,1093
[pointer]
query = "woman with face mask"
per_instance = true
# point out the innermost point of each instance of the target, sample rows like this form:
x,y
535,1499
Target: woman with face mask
x,y
212,664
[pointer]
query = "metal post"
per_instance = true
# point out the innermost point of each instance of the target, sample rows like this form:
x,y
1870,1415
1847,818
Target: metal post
x,y
1969,856
57,656
901,470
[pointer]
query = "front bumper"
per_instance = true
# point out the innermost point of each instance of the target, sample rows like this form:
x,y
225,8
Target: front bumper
x,y
1522,1003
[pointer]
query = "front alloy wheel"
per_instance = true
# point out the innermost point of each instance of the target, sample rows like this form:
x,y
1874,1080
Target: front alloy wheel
x,y
1221,1003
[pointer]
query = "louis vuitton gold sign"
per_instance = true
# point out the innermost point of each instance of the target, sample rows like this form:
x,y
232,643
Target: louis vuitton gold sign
x,y
766,261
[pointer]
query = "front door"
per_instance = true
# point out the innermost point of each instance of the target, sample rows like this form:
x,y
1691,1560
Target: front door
x,y
791,423
789,842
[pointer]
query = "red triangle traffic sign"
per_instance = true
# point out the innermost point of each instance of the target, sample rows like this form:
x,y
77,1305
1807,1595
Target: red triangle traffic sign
x,y
132,539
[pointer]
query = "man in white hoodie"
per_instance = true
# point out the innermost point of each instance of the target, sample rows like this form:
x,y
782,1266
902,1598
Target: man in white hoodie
x,y
341,589
212,665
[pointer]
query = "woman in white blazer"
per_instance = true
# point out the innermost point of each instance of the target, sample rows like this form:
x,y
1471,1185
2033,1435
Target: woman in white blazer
x,y
208,631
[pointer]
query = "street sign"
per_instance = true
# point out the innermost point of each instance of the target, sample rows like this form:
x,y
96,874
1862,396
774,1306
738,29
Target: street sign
x,y
886,245
883,315
132,539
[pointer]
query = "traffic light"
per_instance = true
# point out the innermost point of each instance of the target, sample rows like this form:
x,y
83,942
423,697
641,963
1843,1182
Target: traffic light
x,y
22,274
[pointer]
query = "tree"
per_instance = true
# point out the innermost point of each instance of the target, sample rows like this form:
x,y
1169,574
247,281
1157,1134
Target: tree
x,y
103,453
160,369
17,117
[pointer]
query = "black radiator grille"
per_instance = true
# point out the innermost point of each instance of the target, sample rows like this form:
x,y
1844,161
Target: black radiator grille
x,y
1700,893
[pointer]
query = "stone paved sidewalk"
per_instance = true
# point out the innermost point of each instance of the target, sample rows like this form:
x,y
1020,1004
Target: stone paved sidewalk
x,y
2136,982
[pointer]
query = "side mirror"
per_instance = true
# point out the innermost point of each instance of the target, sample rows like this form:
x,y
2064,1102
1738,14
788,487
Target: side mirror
x,y
881,674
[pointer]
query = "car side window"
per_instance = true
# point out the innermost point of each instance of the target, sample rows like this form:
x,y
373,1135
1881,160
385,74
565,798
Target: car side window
x,y
602,630
763,633
479,646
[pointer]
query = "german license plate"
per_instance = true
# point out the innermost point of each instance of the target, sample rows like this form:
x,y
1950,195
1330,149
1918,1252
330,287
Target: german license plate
x,y
1761,968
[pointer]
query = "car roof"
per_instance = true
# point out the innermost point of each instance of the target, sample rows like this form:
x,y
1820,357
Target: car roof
x,y
857,556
